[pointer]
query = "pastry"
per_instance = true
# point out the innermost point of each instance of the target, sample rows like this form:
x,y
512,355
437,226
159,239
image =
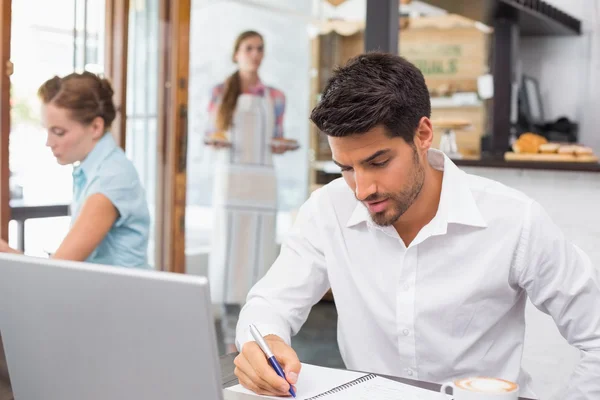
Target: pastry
x,y
584,151
291,144
528,143
567,149
218,136
284,140
549,148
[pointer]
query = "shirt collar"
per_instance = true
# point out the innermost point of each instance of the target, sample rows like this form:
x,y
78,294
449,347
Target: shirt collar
x,y
457,204
360,215
92,161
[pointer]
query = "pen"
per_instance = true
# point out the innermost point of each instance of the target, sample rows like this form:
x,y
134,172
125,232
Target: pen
x,y
270,356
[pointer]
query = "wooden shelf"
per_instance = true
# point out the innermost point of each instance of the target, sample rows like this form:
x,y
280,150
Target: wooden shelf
x,y
536,17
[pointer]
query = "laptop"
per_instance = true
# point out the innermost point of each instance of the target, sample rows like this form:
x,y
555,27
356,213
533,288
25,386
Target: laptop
x,y
84,331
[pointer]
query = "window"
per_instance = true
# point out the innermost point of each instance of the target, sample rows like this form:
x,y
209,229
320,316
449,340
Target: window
x,y
60,37
142,97
213,29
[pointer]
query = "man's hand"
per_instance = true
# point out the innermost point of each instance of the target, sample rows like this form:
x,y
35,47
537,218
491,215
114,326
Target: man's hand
x,y
255,373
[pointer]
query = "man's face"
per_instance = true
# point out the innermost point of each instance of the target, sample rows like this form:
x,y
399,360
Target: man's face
x,y
386,174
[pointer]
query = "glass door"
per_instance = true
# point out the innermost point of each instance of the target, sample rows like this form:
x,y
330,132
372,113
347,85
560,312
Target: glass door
x,y
286,66
142,101
59,38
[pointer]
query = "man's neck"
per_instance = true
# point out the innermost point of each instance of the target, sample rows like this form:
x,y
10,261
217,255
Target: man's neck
x,y
424,209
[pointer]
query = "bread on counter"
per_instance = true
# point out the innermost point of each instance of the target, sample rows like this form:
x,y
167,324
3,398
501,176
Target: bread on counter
x,y
584,151
549,148
575,149
567,149
529,143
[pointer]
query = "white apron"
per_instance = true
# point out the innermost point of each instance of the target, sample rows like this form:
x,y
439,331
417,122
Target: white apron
x,y
244,203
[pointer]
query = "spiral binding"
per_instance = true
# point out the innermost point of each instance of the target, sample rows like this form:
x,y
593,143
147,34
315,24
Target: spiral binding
x,y
344,386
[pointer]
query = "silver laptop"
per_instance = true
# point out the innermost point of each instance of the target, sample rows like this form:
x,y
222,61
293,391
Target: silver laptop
x,y
82,331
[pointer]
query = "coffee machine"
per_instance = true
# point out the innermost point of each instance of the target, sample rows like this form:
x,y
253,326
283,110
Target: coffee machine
x,y
531,115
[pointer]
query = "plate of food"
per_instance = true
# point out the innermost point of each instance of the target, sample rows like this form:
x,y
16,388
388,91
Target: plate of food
x,y
219,138
533,147
288,144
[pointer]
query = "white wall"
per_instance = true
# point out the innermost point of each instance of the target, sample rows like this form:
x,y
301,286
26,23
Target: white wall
x,y
568,69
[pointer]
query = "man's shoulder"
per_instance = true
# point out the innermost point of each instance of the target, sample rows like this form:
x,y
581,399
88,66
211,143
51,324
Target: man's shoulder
x,y
494,189
497,199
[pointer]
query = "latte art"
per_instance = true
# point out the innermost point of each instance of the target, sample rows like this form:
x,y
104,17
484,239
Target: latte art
x,y
486,385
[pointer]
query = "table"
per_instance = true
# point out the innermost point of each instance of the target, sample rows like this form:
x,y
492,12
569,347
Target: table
x,y
20,211
228,379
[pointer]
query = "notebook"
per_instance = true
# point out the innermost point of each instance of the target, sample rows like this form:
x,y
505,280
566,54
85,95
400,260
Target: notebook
x,y
320,383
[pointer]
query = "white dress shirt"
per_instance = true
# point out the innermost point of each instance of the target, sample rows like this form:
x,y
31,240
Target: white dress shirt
x,y
449,305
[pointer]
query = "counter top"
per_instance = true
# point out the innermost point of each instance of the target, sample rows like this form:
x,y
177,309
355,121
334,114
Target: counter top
x,y
329,168
327,171
536,165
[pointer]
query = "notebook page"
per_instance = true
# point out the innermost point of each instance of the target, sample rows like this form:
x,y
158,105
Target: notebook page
x,y
312,381
383,389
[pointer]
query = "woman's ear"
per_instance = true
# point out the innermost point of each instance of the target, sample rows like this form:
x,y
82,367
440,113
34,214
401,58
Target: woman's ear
x,y
97,127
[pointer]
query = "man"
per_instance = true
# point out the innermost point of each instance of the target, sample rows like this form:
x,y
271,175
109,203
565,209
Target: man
x,y
430,267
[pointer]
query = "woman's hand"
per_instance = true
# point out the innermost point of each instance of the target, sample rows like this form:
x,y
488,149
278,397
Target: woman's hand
x,y
5,248
218,144
222,145
218,140
279,148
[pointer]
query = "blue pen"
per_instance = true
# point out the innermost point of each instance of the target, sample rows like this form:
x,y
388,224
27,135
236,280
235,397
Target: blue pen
x,y
270,356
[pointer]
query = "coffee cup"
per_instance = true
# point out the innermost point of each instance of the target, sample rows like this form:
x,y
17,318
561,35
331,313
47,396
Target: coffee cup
x,y
482,388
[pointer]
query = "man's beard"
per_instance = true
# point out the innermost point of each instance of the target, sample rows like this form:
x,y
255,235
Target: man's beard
x,y
399,202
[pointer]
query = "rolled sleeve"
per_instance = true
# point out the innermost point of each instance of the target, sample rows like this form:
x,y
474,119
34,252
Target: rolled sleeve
x,y
125,193
279,100
213,108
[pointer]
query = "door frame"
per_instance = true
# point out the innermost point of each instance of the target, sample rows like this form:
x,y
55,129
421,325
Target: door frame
x,y
173,126
5,72
115,62
171,151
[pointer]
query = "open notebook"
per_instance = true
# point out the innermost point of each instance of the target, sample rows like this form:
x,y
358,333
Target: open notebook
x,y
319,383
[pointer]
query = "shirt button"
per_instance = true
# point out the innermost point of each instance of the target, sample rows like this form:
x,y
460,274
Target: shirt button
x,y
409,372
406,332
405,287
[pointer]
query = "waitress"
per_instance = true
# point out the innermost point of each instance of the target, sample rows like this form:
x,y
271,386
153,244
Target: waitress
x,y
246,126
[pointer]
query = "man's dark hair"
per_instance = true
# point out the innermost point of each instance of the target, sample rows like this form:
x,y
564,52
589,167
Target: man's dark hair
x,y
373,89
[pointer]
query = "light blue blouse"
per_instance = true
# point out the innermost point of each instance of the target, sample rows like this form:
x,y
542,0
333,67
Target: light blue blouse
x,y
108,171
